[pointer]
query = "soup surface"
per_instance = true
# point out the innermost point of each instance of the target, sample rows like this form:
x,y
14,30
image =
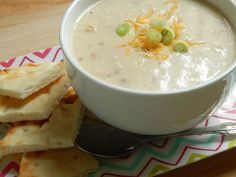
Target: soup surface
x,y
121,61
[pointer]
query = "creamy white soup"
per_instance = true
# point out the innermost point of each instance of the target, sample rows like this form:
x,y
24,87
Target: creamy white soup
x,y
127,57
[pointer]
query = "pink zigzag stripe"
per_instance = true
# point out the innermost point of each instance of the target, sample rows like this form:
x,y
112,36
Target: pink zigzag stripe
x,y
195,148
207,122
55,56
159,146
30,60
53,60
167,163
7,63
42,54
152,144
232,111
223,118
26,58
9,167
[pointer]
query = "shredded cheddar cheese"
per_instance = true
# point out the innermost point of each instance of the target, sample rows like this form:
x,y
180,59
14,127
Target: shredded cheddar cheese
x,y
135,25
177,27
169,13
145,19
194,43
142,24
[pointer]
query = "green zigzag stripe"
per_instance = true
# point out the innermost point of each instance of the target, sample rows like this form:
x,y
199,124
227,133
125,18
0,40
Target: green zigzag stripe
x,y
157,170
193,157
232,144
147,150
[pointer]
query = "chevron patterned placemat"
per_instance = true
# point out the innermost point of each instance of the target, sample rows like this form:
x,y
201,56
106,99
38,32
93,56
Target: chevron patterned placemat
x,y
152,158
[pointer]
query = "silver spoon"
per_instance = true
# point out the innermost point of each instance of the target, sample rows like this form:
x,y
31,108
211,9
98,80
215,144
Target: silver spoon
x,y
103,140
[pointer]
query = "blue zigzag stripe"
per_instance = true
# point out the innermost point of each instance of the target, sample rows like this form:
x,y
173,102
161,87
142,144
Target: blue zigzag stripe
x,y
147,150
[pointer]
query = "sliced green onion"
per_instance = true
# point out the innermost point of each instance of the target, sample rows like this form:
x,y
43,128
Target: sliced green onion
x,y
123,29
159,23
168,36
153,36
180,46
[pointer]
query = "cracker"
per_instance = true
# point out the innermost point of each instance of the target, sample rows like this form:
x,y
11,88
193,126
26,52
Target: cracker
x,y
59,131
70,162
21,82
36,107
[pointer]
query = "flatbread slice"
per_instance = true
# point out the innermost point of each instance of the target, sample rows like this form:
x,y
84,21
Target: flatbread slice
x,y
70,162
59,131
36,107
21,82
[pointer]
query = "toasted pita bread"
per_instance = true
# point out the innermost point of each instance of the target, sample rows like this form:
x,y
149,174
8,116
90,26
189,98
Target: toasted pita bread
x,y
59,131
35,107
21,82
70,162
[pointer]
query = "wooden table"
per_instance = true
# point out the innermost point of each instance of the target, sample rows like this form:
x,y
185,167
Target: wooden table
x,y
28,25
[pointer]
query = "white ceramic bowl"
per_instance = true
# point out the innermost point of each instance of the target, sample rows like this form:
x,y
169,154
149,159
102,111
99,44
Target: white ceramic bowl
x,y
139,111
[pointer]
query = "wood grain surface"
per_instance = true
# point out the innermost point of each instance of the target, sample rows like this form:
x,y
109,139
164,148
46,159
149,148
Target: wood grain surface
x,y
28,25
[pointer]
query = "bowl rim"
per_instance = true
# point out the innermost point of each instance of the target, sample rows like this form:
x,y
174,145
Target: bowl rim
x,y
118,88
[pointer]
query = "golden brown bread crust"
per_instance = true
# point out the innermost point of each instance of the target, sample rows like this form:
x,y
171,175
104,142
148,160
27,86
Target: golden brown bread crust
x,y
21,82
35,107
47,134
57,163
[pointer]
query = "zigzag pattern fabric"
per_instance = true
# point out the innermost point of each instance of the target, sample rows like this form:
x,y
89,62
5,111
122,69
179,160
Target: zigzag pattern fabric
x,y
152,158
